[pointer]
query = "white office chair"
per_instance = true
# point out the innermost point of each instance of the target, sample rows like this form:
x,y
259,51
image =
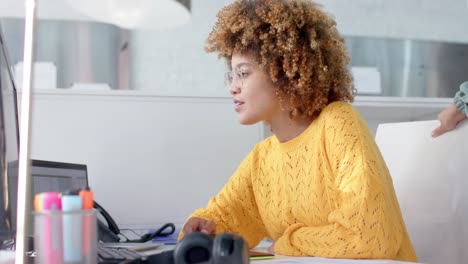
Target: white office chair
x,y
431,182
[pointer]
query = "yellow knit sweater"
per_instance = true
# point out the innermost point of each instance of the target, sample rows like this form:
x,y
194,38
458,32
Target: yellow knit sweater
x,y
324,193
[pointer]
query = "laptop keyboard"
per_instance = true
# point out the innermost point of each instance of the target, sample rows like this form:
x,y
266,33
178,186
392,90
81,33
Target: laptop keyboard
x,y
112,255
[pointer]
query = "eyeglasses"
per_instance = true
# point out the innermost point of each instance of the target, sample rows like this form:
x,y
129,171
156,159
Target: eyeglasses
x,y
235,77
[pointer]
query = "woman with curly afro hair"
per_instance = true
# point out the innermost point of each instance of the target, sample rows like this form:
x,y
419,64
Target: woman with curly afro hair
x,y
319,186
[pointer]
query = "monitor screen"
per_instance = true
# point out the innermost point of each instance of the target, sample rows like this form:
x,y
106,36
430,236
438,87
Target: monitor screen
x,y
9,143
50,176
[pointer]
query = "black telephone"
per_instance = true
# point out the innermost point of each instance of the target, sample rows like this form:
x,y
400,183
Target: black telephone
x,y
109,231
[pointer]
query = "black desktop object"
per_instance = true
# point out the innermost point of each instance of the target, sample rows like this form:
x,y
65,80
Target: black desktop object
x,y
47,175
9,147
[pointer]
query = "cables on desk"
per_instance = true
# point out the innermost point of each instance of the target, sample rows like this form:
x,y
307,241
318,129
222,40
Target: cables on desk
x,y
164,231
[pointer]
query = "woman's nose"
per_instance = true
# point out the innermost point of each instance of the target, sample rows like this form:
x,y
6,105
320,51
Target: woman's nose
x,y
234,88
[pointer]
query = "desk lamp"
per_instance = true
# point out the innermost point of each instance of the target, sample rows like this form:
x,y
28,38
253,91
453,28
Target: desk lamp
x,y
130,14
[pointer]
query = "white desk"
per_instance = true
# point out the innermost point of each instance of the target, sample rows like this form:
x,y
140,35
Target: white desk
x,y
8,257
298,260
279,259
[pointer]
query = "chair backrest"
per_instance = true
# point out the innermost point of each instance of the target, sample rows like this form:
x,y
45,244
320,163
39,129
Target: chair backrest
x,y
430,176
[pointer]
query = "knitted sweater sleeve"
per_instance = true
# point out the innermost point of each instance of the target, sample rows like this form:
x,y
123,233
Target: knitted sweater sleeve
x,y
364,222
234,208
461,98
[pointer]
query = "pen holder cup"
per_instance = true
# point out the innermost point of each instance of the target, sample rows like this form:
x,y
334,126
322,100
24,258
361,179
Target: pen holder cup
x,y
65,237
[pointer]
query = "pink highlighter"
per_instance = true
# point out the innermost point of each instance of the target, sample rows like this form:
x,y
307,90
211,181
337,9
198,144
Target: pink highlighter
x,y
50,226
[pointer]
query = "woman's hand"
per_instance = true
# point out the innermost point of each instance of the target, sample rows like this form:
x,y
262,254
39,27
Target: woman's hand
x,y
197,224
449,119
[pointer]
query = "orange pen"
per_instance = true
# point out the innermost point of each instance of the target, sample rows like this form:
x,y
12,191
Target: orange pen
x,y
87,197
88,204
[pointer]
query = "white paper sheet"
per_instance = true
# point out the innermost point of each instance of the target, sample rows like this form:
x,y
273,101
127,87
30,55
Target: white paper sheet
x,y
430,176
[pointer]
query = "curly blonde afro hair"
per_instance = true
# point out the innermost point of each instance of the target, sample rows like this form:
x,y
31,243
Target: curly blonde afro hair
x,y
295,42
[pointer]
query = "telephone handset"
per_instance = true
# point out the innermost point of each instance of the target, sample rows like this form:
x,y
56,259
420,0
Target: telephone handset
x,y
109,231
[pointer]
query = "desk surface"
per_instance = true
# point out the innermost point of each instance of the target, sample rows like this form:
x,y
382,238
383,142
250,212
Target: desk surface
x,y
297,260
8,257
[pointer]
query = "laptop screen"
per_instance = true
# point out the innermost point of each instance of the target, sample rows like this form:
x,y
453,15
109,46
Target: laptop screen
x,y
57,177
51,176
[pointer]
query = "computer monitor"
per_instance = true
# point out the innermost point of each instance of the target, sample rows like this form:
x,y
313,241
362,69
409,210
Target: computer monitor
x,y
47,176
9,146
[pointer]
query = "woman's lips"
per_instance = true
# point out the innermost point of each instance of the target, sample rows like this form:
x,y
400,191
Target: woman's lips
x,y
237,105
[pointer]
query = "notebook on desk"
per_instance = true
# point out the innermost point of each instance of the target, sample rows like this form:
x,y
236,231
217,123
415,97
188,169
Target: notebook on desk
x,y
257,255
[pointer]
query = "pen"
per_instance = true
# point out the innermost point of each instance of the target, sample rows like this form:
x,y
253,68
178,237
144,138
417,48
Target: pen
x,y
72,226
87,197
88,205
49,227
50,201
